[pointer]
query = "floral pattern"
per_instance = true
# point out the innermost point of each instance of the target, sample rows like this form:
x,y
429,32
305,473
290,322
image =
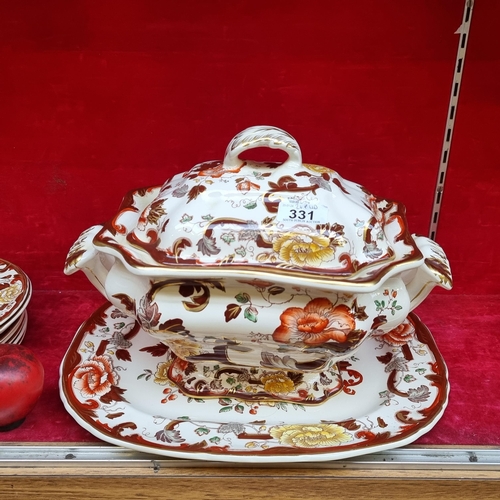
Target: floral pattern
x,y
304,250
318,322
311,335
278,383
261,328
95,377
249,227
239,379
398,336
125,395
258,384
15,290
246,185
161,374
11,293
311,436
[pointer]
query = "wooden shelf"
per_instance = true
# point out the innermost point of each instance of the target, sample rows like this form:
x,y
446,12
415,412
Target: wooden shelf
x,y
73,470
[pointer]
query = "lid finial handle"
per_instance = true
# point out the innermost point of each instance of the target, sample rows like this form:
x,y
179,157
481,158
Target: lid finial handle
x,y
263,136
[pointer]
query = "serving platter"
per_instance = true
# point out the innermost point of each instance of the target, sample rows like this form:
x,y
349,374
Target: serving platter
x,y
113,381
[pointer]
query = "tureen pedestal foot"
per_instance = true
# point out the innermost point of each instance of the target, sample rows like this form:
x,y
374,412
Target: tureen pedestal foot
x,y
205,379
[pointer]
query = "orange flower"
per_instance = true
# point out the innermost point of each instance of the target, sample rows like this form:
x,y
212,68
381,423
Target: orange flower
x,y
246,185
318,322
219,170
95,377
398,336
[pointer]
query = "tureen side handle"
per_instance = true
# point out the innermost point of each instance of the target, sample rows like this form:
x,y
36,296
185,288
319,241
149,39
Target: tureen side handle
x,y
262,136
84,256
435,270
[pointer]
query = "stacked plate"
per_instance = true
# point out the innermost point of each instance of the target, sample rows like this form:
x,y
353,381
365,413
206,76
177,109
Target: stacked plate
x,y
15,293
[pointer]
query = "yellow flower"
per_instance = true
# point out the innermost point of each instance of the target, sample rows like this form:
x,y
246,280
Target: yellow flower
x,y
277,383
318,169
161,375
304,250
184,348
11,293
311,436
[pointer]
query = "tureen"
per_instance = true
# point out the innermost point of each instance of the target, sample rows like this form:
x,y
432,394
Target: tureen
x,y
263,279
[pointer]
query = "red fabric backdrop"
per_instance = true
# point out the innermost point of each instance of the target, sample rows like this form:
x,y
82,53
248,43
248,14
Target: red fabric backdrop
x,y
97,98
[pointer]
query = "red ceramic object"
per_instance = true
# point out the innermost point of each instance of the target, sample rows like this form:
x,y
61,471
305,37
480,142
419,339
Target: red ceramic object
x,y
21,384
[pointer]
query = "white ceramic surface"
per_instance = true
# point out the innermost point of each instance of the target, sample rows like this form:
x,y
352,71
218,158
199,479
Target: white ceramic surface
x,y
114,382
259,265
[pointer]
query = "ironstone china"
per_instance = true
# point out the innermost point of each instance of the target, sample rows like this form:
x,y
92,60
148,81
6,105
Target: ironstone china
x,y
16,332
15,294
115,383
262,279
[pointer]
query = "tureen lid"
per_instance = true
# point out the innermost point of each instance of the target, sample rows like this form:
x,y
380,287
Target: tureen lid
x,y
293,220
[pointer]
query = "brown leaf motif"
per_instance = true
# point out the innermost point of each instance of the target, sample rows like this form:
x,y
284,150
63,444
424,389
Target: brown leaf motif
x,y
419,395
127,301
148,314
156,211
285,182
179,245
112,416
355,337
359,311
101,349
123,355
232,311
218,284
96,321
115,394
116,313
386,358
169,436
207,246
318,181
173,325
339,185
199,294
157,351
180,191
350,425
378,322
381,422
195,191
125,425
